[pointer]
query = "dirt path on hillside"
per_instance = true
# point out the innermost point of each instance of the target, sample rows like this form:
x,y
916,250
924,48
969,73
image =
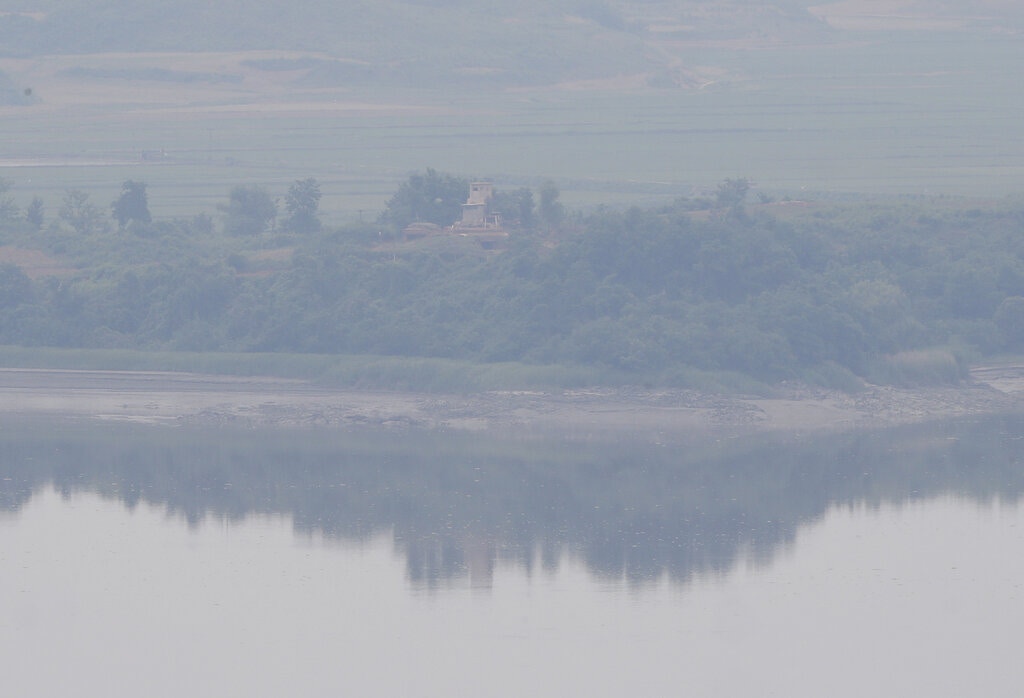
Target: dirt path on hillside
x,y
181,398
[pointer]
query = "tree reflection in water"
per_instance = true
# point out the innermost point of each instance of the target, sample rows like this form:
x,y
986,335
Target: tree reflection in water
x,y
457,505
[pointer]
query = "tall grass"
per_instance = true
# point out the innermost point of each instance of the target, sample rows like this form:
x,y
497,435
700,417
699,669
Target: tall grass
x,y
920,367
373,372
342,371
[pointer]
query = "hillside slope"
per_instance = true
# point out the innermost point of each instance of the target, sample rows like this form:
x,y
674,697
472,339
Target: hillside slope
x,y
451,40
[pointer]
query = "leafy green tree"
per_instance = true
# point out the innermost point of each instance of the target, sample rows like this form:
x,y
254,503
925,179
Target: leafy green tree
x,y
77,211
552,212
732,192
431,197
516,208
302,203
250,210
34,214
15,287
971,291
8,209
20,314
132,205
1009,318
200,224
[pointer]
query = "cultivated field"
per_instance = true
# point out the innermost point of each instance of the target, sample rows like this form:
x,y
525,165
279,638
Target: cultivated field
x,y
935,115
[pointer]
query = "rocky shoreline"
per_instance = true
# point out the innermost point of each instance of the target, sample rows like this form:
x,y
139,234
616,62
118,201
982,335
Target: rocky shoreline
x,y
181,398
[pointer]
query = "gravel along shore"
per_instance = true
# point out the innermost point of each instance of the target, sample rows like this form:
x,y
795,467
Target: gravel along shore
x,y
182,398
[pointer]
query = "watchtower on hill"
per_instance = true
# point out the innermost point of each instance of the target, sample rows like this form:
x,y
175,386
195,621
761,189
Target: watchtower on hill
x,y
474,211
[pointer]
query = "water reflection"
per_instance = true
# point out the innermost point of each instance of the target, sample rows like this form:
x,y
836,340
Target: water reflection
x,y
458,505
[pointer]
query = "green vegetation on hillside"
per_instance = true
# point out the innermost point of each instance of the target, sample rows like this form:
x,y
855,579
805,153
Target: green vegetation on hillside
x,y
902,293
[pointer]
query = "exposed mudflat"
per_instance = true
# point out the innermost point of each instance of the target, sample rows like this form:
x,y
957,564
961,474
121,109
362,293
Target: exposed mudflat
x,y
183,398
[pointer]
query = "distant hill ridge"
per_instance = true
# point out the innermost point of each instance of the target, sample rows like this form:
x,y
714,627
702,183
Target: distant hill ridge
x,y
531,42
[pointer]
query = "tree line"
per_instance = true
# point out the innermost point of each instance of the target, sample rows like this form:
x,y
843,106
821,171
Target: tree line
x,y
249,210
836,295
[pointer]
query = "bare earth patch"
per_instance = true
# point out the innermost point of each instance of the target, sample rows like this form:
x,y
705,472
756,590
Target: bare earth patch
x,y
35,263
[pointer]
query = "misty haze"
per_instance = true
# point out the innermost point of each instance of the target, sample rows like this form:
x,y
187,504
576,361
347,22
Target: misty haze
x,y
436,347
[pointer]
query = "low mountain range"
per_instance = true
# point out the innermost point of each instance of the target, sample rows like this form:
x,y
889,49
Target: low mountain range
x,y
417,42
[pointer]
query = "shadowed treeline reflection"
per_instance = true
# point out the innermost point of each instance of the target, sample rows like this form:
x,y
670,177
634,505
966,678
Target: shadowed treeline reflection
x,y
459,504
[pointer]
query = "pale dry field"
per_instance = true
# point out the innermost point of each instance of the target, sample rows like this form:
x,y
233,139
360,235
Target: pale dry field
x,y
910,15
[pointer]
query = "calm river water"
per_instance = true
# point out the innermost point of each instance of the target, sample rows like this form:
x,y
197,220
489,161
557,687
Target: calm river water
x,y
161,561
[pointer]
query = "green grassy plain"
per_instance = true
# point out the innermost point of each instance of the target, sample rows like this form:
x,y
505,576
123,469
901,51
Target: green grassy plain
x,y
339,371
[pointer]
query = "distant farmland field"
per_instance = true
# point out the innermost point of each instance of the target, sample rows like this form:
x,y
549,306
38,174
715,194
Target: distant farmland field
x,y
924,117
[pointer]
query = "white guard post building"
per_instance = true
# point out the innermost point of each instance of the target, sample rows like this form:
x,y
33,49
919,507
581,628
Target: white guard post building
x,y
478,221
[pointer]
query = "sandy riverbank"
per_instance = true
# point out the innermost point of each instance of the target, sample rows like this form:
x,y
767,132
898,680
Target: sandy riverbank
x,y
181,398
